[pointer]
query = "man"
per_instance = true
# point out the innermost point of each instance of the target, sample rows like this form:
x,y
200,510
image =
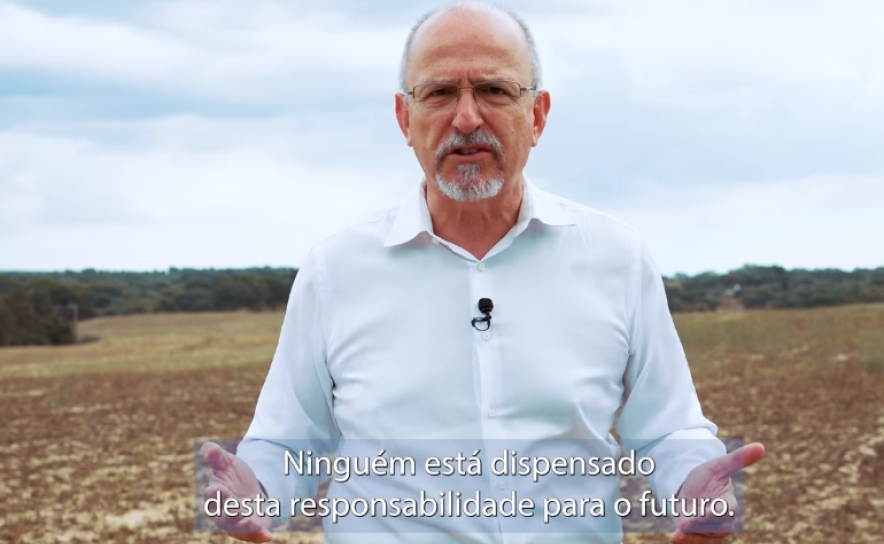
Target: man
x,y
377,341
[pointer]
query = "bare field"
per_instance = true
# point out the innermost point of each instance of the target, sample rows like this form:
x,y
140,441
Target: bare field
x,y
97,441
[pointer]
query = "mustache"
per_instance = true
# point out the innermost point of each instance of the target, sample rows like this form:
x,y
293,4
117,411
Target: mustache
x,y
477,137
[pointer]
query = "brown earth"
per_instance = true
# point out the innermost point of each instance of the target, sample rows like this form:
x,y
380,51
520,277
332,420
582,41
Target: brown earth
x,y
97,439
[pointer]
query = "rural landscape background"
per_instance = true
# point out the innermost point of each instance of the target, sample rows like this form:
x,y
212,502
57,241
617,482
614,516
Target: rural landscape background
x,y
43,307
194,134
98,438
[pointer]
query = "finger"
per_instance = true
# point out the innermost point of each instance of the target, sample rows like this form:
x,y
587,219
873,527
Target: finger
x,y
707,525
217,457
253,537
253,528
737,459
249,530
697,538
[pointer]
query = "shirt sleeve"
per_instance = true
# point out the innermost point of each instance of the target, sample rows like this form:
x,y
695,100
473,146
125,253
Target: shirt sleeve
x,y
661,416
294,409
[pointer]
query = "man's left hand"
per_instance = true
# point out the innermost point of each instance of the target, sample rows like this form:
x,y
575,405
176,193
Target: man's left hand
x,y
712,480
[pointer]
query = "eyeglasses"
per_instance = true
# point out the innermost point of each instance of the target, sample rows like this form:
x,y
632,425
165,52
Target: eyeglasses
x,y
440,94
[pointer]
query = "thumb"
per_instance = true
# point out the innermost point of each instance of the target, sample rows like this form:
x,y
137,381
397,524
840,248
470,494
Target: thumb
x,y
737,459
217,457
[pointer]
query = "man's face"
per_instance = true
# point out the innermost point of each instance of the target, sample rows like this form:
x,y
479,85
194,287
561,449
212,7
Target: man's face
x,y
473,143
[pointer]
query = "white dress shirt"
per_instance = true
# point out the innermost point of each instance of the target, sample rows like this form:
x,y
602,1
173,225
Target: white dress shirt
x,y
377,344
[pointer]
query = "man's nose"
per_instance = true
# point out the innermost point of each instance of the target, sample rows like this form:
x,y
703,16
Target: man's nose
x,y
467,116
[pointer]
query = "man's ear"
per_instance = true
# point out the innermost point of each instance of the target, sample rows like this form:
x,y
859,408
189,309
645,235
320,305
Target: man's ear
x,y
541,110
402,117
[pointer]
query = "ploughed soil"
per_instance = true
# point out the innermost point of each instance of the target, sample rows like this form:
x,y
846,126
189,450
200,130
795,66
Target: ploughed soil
x,y
98,439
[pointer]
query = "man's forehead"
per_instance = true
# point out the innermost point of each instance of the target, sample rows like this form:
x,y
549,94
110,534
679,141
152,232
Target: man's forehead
x,y
477,39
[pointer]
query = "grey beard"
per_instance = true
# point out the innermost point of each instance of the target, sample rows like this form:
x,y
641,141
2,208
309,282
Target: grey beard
x,y
468,186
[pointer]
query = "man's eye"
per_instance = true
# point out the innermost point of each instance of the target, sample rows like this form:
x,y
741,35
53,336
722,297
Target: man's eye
x,y
494,90
437,92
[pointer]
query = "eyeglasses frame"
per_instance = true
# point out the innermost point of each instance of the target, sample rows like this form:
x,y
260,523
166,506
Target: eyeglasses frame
x,y
472,88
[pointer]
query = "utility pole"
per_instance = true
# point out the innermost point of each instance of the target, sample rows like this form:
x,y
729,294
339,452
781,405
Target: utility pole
x,y
72,306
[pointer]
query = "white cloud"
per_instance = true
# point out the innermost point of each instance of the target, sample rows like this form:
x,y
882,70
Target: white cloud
x,y
30,39
815,222
248,181
693,53
263,52
729,132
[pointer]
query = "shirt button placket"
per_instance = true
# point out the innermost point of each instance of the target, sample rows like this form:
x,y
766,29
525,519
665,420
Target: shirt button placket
x,y
482,287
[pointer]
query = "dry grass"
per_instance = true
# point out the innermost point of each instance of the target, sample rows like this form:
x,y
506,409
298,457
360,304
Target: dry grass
x,y
98,439
153,343
798,382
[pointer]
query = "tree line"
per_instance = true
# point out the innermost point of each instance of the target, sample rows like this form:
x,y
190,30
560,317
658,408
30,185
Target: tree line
x,y
38,308
773,287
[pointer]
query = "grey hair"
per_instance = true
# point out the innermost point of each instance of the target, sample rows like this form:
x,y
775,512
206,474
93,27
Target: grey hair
x,y
532,46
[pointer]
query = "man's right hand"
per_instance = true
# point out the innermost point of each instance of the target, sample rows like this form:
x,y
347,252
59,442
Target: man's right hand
x,y
233,478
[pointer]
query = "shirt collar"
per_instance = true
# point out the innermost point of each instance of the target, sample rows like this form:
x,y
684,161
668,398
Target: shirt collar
x,y
413,216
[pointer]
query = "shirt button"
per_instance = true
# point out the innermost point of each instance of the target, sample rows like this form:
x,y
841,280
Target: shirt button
x,y
486,335
435,241
481,267
492,412
501,485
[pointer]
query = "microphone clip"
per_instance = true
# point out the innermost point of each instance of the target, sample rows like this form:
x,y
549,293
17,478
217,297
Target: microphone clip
x,y
485,306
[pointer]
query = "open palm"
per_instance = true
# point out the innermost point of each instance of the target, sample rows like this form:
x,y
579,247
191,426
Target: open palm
x,y
712,480
233,478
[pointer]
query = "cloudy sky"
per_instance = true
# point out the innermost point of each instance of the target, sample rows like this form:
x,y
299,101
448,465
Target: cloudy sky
x,y
144,135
